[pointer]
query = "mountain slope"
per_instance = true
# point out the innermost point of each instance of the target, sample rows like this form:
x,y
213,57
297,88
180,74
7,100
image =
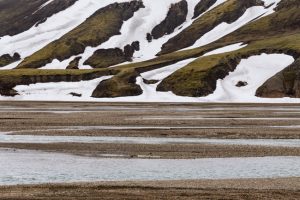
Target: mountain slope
x,y
178,50
18,16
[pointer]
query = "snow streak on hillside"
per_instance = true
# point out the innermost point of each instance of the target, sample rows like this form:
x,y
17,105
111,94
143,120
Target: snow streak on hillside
x,y
225,28
54,28
252,72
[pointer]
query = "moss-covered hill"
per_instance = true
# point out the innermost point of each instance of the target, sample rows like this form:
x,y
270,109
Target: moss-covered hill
x,y
278,32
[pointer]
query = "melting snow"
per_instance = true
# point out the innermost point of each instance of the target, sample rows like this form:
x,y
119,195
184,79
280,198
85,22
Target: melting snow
x,y
255,71
55,27
57,91
224,29
136,29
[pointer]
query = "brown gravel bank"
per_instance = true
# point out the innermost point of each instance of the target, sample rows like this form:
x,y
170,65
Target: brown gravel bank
x,y
167,151
216,120
202,189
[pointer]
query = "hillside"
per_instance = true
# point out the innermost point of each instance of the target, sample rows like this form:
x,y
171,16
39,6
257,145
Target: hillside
x,y
146,50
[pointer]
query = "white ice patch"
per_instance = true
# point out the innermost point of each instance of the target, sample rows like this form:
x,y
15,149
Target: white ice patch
x,y
255,71
56,64
162,73
44,5
57,91
229,48
224,29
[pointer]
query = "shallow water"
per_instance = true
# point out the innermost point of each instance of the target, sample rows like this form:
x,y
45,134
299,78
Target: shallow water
x,y
145,140
26,167
66,109
189,118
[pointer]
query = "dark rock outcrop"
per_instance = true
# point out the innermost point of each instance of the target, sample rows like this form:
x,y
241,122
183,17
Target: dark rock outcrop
x,y
149,37
18,16
7,59
103,58
74,63
241,84
75,94
175,17
8,92
202,7
130,49
284,84
150,82
121,85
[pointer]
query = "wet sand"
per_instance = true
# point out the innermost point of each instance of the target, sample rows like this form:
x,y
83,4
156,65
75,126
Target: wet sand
x,y
202,189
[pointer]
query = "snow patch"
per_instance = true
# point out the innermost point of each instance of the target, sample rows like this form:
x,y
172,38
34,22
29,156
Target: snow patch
x,y
229,48
224,29
57,91
44,5
255,71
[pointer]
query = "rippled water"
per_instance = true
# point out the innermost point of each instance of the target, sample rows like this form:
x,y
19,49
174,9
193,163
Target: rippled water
x,y
25,167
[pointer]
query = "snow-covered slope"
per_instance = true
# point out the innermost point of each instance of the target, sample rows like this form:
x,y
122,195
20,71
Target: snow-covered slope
x,y
231,52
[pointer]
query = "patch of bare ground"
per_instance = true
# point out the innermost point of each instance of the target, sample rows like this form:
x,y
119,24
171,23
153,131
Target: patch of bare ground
x,y
201,189
217,120
165,151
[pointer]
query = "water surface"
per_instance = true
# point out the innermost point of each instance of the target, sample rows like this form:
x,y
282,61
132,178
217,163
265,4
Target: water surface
x,y
26,167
